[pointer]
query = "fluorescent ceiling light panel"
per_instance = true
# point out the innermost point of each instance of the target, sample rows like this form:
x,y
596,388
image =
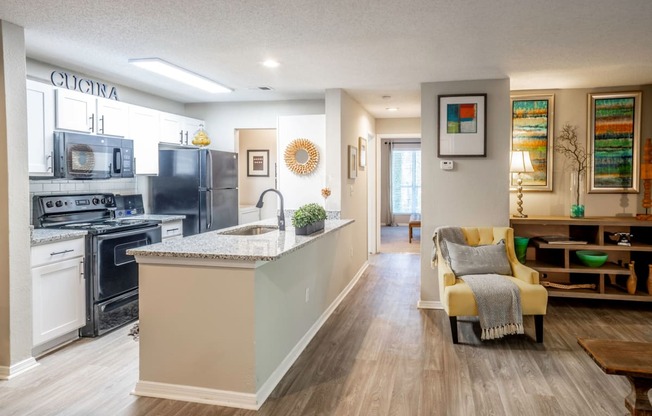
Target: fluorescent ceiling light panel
x,y
176,73
270,63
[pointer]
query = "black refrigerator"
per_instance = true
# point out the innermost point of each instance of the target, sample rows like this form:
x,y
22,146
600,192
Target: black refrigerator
x,y
201,184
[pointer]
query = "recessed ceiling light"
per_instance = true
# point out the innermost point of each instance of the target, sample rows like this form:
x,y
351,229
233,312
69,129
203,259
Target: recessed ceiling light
x,y
177,73
391,108
270,63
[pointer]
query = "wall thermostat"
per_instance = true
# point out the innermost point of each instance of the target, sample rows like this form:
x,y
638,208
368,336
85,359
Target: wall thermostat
x,y
446,164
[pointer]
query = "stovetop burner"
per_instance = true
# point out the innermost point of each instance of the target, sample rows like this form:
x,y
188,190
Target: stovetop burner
x,y
92,212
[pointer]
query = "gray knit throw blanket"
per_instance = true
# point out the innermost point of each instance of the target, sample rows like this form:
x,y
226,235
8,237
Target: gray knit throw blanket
x,y
499,305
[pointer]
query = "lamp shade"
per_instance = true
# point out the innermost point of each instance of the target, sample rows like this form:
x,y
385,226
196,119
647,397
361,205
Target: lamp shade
x,y
521,162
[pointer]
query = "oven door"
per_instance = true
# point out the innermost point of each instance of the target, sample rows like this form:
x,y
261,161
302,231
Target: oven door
x,y
115,272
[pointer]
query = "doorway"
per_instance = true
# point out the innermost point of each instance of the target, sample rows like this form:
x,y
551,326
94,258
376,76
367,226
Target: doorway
x,y
256,143
400,195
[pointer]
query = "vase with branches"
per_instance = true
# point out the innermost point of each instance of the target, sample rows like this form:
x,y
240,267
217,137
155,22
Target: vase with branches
x,y
568,145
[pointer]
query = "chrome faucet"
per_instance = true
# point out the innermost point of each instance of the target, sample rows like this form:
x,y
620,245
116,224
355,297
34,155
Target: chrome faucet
x,y
281,217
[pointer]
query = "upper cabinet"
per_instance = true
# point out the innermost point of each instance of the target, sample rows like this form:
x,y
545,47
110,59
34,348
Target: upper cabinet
x,y
178,129
112,117
40,128
144,131
85,113
50,108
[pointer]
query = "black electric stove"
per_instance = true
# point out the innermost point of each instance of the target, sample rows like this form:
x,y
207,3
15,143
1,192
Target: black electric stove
x,y
112,275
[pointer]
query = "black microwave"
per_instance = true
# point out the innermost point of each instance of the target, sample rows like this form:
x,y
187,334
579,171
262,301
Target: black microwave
x,y
88,156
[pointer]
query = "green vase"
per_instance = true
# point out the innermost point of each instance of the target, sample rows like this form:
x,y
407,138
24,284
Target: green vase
x,y
520,247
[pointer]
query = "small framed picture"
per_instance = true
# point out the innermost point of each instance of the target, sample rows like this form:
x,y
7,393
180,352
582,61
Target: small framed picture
x,y
462,121
258,163
353,162
362,149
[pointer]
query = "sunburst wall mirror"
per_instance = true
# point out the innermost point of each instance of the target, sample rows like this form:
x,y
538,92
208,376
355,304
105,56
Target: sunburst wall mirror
x,y
301,156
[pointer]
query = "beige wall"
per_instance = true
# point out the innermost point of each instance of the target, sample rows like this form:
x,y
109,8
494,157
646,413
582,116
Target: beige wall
x,y
571,106
401,126
250,188
353,121
475,192
15,278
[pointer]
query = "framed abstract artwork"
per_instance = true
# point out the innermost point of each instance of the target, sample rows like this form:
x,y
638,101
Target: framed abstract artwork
x,y
462,121
532,132
258,163
614,129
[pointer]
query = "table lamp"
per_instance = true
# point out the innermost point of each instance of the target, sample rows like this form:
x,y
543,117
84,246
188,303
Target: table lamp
x,y
520,164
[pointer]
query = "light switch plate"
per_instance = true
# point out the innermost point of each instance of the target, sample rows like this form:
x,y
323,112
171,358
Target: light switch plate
x,y
446,164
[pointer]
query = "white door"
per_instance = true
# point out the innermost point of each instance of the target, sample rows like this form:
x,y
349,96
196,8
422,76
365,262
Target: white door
x,y
113,117
40,128
58,299
75,111
144,130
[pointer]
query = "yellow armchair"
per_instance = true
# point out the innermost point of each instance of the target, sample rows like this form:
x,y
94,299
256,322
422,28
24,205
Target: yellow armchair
x,y
457,297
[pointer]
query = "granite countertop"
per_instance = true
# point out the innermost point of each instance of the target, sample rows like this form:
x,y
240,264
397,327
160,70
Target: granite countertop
x,y
44,235
219,245
158,217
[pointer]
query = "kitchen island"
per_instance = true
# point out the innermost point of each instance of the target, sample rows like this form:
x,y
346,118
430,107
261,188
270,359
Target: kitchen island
x,y
223,316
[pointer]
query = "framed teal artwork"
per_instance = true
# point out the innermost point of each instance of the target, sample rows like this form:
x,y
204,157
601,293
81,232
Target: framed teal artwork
x,y
614,130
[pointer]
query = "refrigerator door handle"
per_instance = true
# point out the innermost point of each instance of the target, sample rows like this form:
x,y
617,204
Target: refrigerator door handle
x,y
209,210
209,168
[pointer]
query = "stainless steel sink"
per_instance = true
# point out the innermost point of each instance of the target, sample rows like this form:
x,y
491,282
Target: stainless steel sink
x,y
255,230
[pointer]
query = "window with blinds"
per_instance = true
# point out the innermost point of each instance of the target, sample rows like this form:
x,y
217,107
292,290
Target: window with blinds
x,y
406,179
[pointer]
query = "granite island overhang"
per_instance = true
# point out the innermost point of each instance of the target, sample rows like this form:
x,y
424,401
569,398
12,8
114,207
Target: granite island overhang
x,y
223,316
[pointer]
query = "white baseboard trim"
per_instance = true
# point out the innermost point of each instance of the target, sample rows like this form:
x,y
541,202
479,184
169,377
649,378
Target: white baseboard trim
x,y
244,400
275,378
7,373
429,304
196,394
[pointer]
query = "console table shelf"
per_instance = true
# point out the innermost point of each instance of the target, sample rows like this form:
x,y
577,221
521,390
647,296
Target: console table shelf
x,y
625,276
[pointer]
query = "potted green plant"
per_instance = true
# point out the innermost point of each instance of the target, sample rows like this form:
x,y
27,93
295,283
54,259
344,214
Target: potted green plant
x,y
309,219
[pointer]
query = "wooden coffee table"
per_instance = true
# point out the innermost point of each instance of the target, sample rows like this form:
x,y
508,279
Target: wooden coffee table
x,y
630,359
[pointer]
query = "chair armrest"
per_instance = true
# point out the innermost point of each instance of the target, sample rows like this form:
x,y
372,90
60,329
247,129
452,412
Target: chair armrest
x,y
446,275
524,273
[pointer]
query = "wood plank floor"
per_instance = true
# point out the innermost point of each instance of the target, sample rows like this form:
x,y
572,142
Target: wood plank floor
x,y
377,355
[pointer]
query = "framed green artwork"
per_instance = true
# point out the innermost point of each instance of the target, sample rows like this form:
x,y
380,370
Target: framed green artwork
x,y
614,129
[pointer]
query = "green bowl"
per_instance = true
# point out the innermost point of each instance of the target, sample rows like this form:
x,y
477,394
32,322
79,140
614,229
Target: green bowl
x,y
592,258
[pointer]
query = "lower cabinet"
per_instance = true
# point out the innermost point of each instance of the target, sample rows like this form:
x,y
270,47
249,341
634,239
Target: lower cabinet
x,y
58,292
171,229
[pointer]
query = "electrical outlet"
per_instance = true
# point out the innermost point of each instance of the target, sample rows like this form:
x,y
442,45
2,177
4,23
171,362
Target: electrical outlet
x,y
307,294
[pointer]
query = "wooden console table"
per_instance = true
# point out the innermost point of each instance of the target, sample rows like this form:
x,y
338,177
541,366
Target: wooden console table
x,y
630,359
627,274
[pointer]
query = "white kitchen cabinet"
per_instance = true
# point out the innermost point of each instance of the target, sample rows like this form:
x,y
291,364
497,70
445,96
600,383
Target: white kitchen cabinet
x,y
248,213
85,113
58,290
112,117
40,128
144,131
171,229
178,129
75,111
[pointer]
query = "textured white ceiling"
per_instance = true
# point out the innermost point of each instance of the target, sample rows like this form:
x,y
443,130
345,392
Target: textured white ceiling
x,y
370,48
